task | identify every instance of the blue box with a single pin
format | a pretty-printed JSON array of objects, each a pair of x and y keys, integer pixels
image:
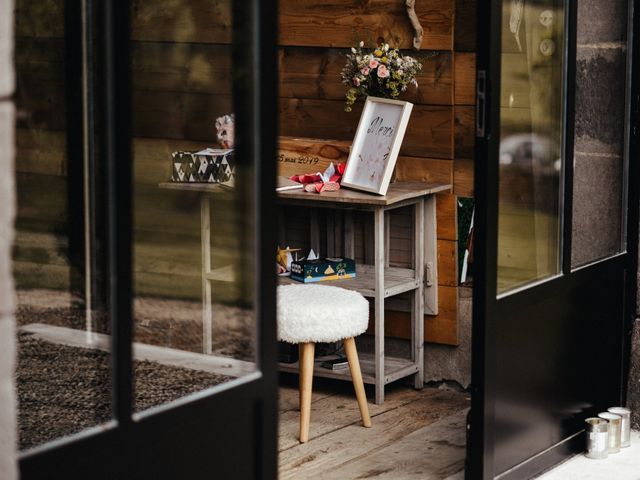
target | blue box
[{"x": 323, "y": 269}]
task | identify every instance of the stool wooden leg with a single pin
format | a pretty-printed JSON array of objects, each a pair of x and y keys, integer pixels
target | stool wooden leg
[
  {"x": 306, "y": 382},
  {"x": 356, "y": 376}
]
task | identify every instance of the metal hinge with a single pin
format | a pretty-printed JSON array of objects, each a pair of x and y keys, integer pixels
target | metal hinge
[
  {"x": 481, "y": 103},
  {"x": 428, "y": 274}
]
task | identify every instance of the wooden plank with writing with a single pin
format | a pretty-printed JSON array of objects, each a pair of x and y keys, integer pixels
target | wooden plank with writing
[
  {"x": 429, "y": 133},
  {"x": 309, "y": 155}
]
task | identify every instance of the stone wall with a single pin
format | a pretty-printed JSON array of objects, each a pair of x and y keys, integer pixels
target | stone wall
[
  {"x": 633, "y": 392},
  {"x": 599, "y": 145},
  {"x": 8, "y": 468},
  {"x": 599, "y": 129}
]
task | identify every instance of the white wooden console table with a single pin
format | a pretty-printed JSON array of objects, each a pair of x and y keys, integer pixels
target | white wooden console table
[
  {"x": 380, "y": 281},
  {"x": 208, "y": 274}
]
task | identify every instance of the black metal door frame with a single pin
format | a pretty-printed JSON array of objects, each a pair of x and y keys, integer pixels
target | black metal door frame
[
  {"x": 228, "y": 431},
  {"x": 481, "y": 446}
]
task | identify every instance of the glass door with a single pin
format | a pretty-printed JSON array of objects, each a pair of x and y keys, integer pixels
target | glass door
[
  {"x": 144, "y": 259},
  {"x": 556, "y": 230}
]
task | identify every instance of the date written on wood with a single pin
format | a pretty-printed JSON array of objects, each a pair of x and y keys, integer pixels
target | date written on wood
[{"x": 300, "y": 159}]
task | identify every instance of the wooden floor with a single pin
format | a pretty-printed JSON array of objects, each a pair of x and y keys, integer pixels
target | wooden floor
[{"x": 415, "y": 434}]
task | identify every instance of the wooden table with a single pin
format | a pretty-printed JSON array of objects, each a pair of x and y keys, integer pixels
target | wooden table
[{"x": 379, "y": 281}]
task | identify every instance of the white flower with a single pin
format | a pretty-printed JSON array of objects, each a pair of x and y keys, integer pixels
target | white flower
[
  {"x": 353, "y": 50},
  {"x": 386, "y": 47},
  {"x": 361, "y": 43}
]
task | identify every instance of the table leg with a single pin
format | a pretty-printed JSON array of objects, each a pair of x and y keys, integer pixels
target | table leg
[
  {"x": 417, "y": 314},
  {"x": 430, "y": 257},
  {"x": 379, "y": 263},
  {"x": 205, "y": 239},
  {"x": 387, "y": 238}
]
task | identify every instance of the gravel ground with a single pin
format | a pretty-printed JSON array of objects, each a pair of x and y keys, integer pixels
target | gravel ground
[
  {"x": 166, "y": 323},
  {"x": 63, "y": 390}
]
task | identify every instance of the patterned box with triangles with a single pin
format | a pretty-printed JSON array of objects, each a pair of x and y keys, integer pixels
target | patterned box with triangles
[{"x": 206, "y": 166}]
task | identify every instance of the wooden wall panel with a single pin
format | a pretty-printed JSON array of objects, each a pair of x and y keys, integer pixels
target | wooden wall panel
[
  {"x": 342, "y": 23},
  {"x": 182, "y": 21},
  {"x": 448, "y": 263},
  {"x": 465, "y": 78},
  {"x": 442, "y": 328},
  {"x": 30, "y": 20},
  {"x": 182, "y": 67},
  {"x": 314, "y": 73},
  {"x": 41, "y": 152},
  {"x": 182, "y": 82},
  {"x": 446, "y": 216},
  {"x": 463, "y": 177},
  {"x": 424, "y": 169},
  {"x": 464, "y": 131},
  {"x": 429, "y": 133},
  {"x": 465, "y": 26}
]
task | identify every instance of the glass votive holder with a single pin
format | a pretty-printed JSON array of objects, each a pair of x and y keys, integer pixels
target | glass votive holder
[
  {"x": 597, "y": 438},
  {"x": 615, "y": 430},
  {"x": 625, "y": 414}
]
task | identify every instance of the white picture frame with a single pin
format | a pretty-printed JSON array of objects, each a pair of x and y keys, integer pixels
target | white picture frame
[{"x": 376, "y": 145}]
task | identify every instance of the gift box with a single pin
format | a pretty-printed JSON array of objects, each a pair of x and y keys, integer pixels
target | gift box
[
  {"x": 206, "y": 166},
  {"x": 322, "y": 269}
]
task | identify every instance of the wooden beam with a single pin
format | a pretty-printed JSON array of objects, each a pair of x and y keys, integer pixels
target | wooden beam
[
  {"x": 341, "y": 23},
  {"x": 465, "y": 78},
  {"x": 463, "y": 177}
]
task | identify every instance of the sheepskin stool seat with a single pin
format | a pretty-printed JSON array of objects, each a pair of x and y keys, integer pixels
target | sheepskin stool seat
[{"x": 317, "y": 313}]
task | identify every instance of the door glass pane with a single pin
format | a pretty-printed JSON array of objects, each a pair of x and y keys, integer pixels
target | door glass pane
[
  {"x": 194, "y": 324},
  {"x": 63, "y": 373},
  {"x": 531, "y": 140},
  {"x": 599, "y": 179}
]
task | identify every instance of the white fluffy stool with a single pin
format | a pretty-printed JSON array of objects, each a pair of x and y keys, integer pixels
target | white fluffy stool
[{"x": 317, "y": 313}]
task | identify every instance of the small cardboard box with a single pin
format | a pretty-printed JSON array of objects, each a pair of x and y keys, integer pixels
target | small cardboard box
[
  {"x": 323, "y": 269},
  {"x": 206, "y": 166}
]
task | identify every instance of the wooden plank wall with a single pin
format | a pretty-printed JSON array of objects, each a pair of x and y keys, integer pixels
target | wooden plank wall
[
  {"x": 438, "y": 145},
  {"x": 182, "y": 83}
]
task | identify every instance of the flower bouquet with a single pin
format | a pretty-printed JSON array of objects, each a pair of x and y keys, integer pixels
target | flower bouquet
[{"x": 378, "y": 72}]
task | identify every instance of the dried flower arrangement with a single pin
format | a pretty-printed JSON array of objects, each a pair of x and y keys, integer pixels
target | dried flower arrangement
[{"x": 377, "y": 72}]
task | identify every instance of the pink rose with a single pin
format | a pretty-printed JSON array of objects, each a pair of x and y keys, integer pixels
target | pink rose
[
  {"x": 365, "y": 71},
  {"x": 373, "y": 63},
  {"x": 383, "y": 72},
  {"x": 356, "y": 81}
]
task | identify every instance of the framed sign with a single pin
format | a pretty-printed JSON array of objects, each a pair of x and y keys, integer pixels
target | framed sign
[{"x": 376, "y": 145}]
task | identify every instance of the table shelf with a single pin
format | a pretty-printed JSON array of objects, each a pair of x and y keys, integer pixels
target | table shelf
[
  {"x": 394, "y": 369},
  {"x": 396, "y": 281}
]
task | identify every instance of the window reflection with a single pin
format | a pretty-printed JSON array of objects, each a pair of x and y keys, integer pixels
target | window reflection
[{"x": 531, "y": 142}]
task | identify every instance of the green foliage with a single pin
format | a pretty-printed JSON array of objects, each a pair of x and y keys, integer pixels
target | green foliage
[{"x": 465, "y": 212}]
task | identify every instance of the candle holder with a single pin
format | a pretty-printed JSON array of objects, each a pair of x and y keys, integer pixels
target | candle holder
[
  {"x": 615, "y": 430},
  {"x": 625, "y": 414},
  {"x": 597, "y": 438}
]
